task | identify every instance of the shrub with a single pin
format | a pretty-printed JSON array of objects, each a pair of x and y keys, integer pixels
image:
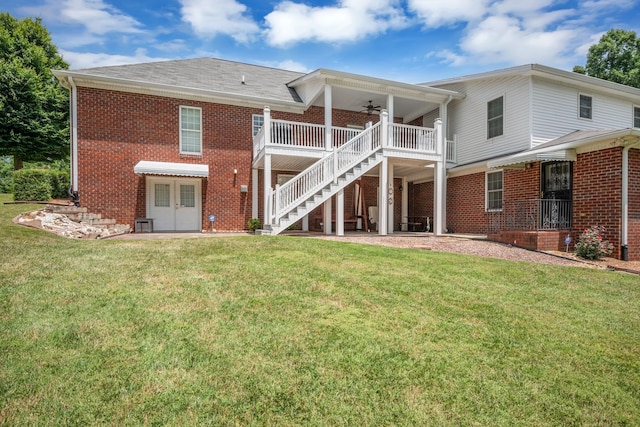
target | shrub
[
  {"x": 253, "y": 224},
  {"x": 591, "y": 245},
  {"x": 32, "y": 184},
  {"x": 59, "y": 183},
  {"x": 6, "y": 176}
]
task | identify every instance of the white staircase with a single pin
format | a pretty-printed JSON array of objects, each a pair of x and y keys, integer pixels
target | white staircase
[{"x": 322, "y": 180}]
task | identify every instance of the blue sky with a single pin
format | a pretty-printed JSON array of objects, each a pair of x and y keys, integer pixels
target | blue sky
[{"x": 405, "y": 40}]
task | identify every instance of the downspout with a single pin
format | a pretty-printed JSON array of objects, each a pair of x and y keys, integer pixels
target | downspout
[
  {"x": 73, "y": 190},
  {"x": 624, "y": 244}
]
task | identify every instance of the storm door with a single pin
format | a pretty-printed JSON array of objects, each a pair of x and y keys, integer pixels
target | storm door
[{"x": 556, "y": 192}]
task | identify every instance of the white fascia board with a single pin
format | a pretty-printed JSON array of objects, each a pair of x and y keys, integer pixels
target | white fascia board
[{"x": 339, "y": 78}]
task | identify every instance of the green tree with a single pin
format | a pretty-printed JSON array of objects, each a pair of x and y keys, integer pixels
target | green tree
[
  {"x": 616, "y": 58},
  {"x": 34, "y": 108}
]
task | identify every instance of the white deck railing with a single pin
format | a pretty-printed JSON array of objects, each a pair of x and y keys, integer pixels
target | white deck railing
[
  {"x": 296, "y": 134},
  {"x": 414, "y": 138},
  {"x": 452, "y": 147},
  {"x": 288, "y": 196}
]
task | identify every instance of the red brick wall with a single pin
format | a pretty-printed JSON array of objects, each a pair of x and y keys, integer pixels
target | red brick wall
[
  {"x": 634, "y": 205},
  {"x": 421, "y": 199},
  {"x": 118, "y": 129},
  {"x": 597, "y": 193},
  {"x": 465, "y": 204}
]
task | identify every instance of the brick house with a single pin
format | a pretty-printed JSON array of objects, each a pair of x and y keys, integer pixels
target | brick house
[{"x": 525, "y": 155}]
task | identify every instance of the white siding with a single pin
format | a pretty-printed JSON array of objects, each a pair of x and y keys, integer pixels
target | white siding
[
  {"x": 468, "y": 118},
  {"x": 555, "y": 111}
]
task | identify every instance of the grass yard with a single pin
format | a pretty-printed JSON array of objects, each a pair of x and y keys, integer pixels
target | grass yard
[{"x": 295, "y": 331}]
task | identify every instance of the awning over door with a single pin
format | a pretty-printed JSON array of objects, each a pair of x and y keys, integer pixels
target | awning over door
[
  {"x": 532, "y": 156},
  {"x": 145, "y": 167}
]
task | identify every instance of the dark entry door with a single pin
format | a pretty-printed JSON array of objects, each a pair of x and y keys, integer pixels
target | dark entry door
[{"x": 556, "y": 191}]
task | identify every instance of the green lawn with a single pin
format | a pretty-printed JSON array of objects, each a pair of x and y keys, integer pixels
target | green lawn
[{"x": 295, "y": 331}]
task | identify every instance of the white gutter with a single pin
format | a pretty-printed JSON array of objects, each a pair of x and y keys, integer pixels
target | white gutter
[
  {"x": 625, "y": 194},
  {"x": 74, "y": 135}
]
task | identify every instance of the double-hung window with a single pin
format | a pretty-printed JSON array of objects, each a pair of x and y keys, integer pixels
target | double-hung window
[
  {"x": 495, "y": 117},
  {"x": 257, "y": 123},
  {"x": 586, "y": 107},
  {"x": 636, "y": 117},
  {"x": 494, "y": 191},
  {"x": 190, "y": 130}
]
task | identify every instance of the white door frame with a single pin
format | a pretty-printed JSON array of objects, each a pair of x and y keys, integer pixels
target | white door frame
[{"x": 194, "y": 223}]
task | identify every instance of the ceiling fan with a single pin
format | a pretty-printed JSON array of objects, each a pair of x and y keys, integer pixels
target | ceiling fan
[{"x": 370, "y": 108}]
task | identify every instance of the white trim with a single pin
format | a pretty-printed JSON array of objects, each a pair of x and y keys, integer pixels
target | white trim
[
  {"x": 580, "y": 95},
  {"x": 504, "y": 111},
  {"x": 486, "y": 191},
  {"x": 181, "y": 108},
  {"x": 144, "y": 167}
]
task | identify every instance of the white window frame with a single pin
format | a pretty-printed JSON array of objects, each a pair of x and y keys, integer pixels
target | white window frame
[
  {"x": 501, "y": 117},
  {"x": 585, "y": 95},
  {"x": 199, "y": 109},
  {"x": 255, "y": 128},
  {"x": 636, "y": 116},
  {"x": 487, "y": 191}
]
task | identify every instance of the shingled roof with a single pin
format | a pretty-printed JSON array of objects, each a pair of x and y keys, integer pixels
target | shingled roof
[{"x": 208, "y": 74}]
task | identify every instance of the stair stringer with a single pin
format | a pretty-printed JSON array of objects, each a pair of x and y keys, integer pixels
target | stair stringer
[{"x": 323, "y": 194}]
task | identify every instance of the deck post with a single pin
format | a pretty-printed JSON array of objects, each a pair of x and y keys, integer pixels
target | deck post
[
  {"x": 340, "y": 213},
  {"x": 327, "y": 217},
  {"x": 405, "y": 202},
  {"x": 390, "y": 202},
  {"x": 384, "y": 129},
  {"x": 254, "y": 193},
  {"x": 383, "y": 199},
  {"x": 267, "y": 188},
  {"x": 439, "y": 182}
]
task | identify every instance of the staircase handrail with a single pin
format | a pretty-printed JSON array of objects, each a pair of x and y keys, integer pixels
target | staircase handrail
[{"x": 287, "y": 196}]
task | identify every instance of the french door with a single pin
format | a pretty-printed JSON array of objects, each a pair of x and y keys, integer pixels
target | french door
[{"x": 175, "y": 204}]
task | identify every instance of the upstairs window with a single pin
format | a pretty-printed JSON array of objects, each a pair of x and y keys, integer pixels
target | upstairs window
[
  {"x": 495, "y": 116},
  {"x": 257, "y": 123},
  {"x": 494, "y": 191},
  {"x": 636, "y": 117},
  {"x": 586, "y": 107},
  {"x": 190, "y": 130}
]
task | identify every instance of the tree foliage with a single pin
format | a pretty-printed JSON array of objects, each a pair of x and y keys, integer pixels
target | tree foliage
[
  {"x": 616, "y": 57},
  {"x": 34, "y": 108}
]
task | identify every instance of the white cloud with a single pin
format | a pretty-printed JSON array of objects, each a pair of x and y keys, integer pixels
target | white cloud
[
  {"x": 438, "y": 13},
  {"x": 97, "y": 17},
  {"x": 292, "y": 65},
  {"x": 505, "y": 39},
  {"x": 520, "y": 31},
  {"x": 349, "y": 20},
  {"x": 209, "y": 18},
  {"x": 80, "y": 60}
]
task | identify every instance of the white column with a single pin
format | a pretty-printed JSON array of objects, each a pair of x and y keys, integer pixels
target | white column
[
  {"x": 383, "y": 200},
  {"x": 267, "y": 190},
  {"x": 439, "y": 183},
  {"x": 328, "y": 131},
  {"x": 305, "y": 223},
  {"x": 254, "y": 193},
  {"x": 327, "y": 216},
  {"x": 405, "y": 202},
  {"x": 391, "y": 201},
  {"x": 340, "y": 213},
  {"x": 267, "y": 167}
]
